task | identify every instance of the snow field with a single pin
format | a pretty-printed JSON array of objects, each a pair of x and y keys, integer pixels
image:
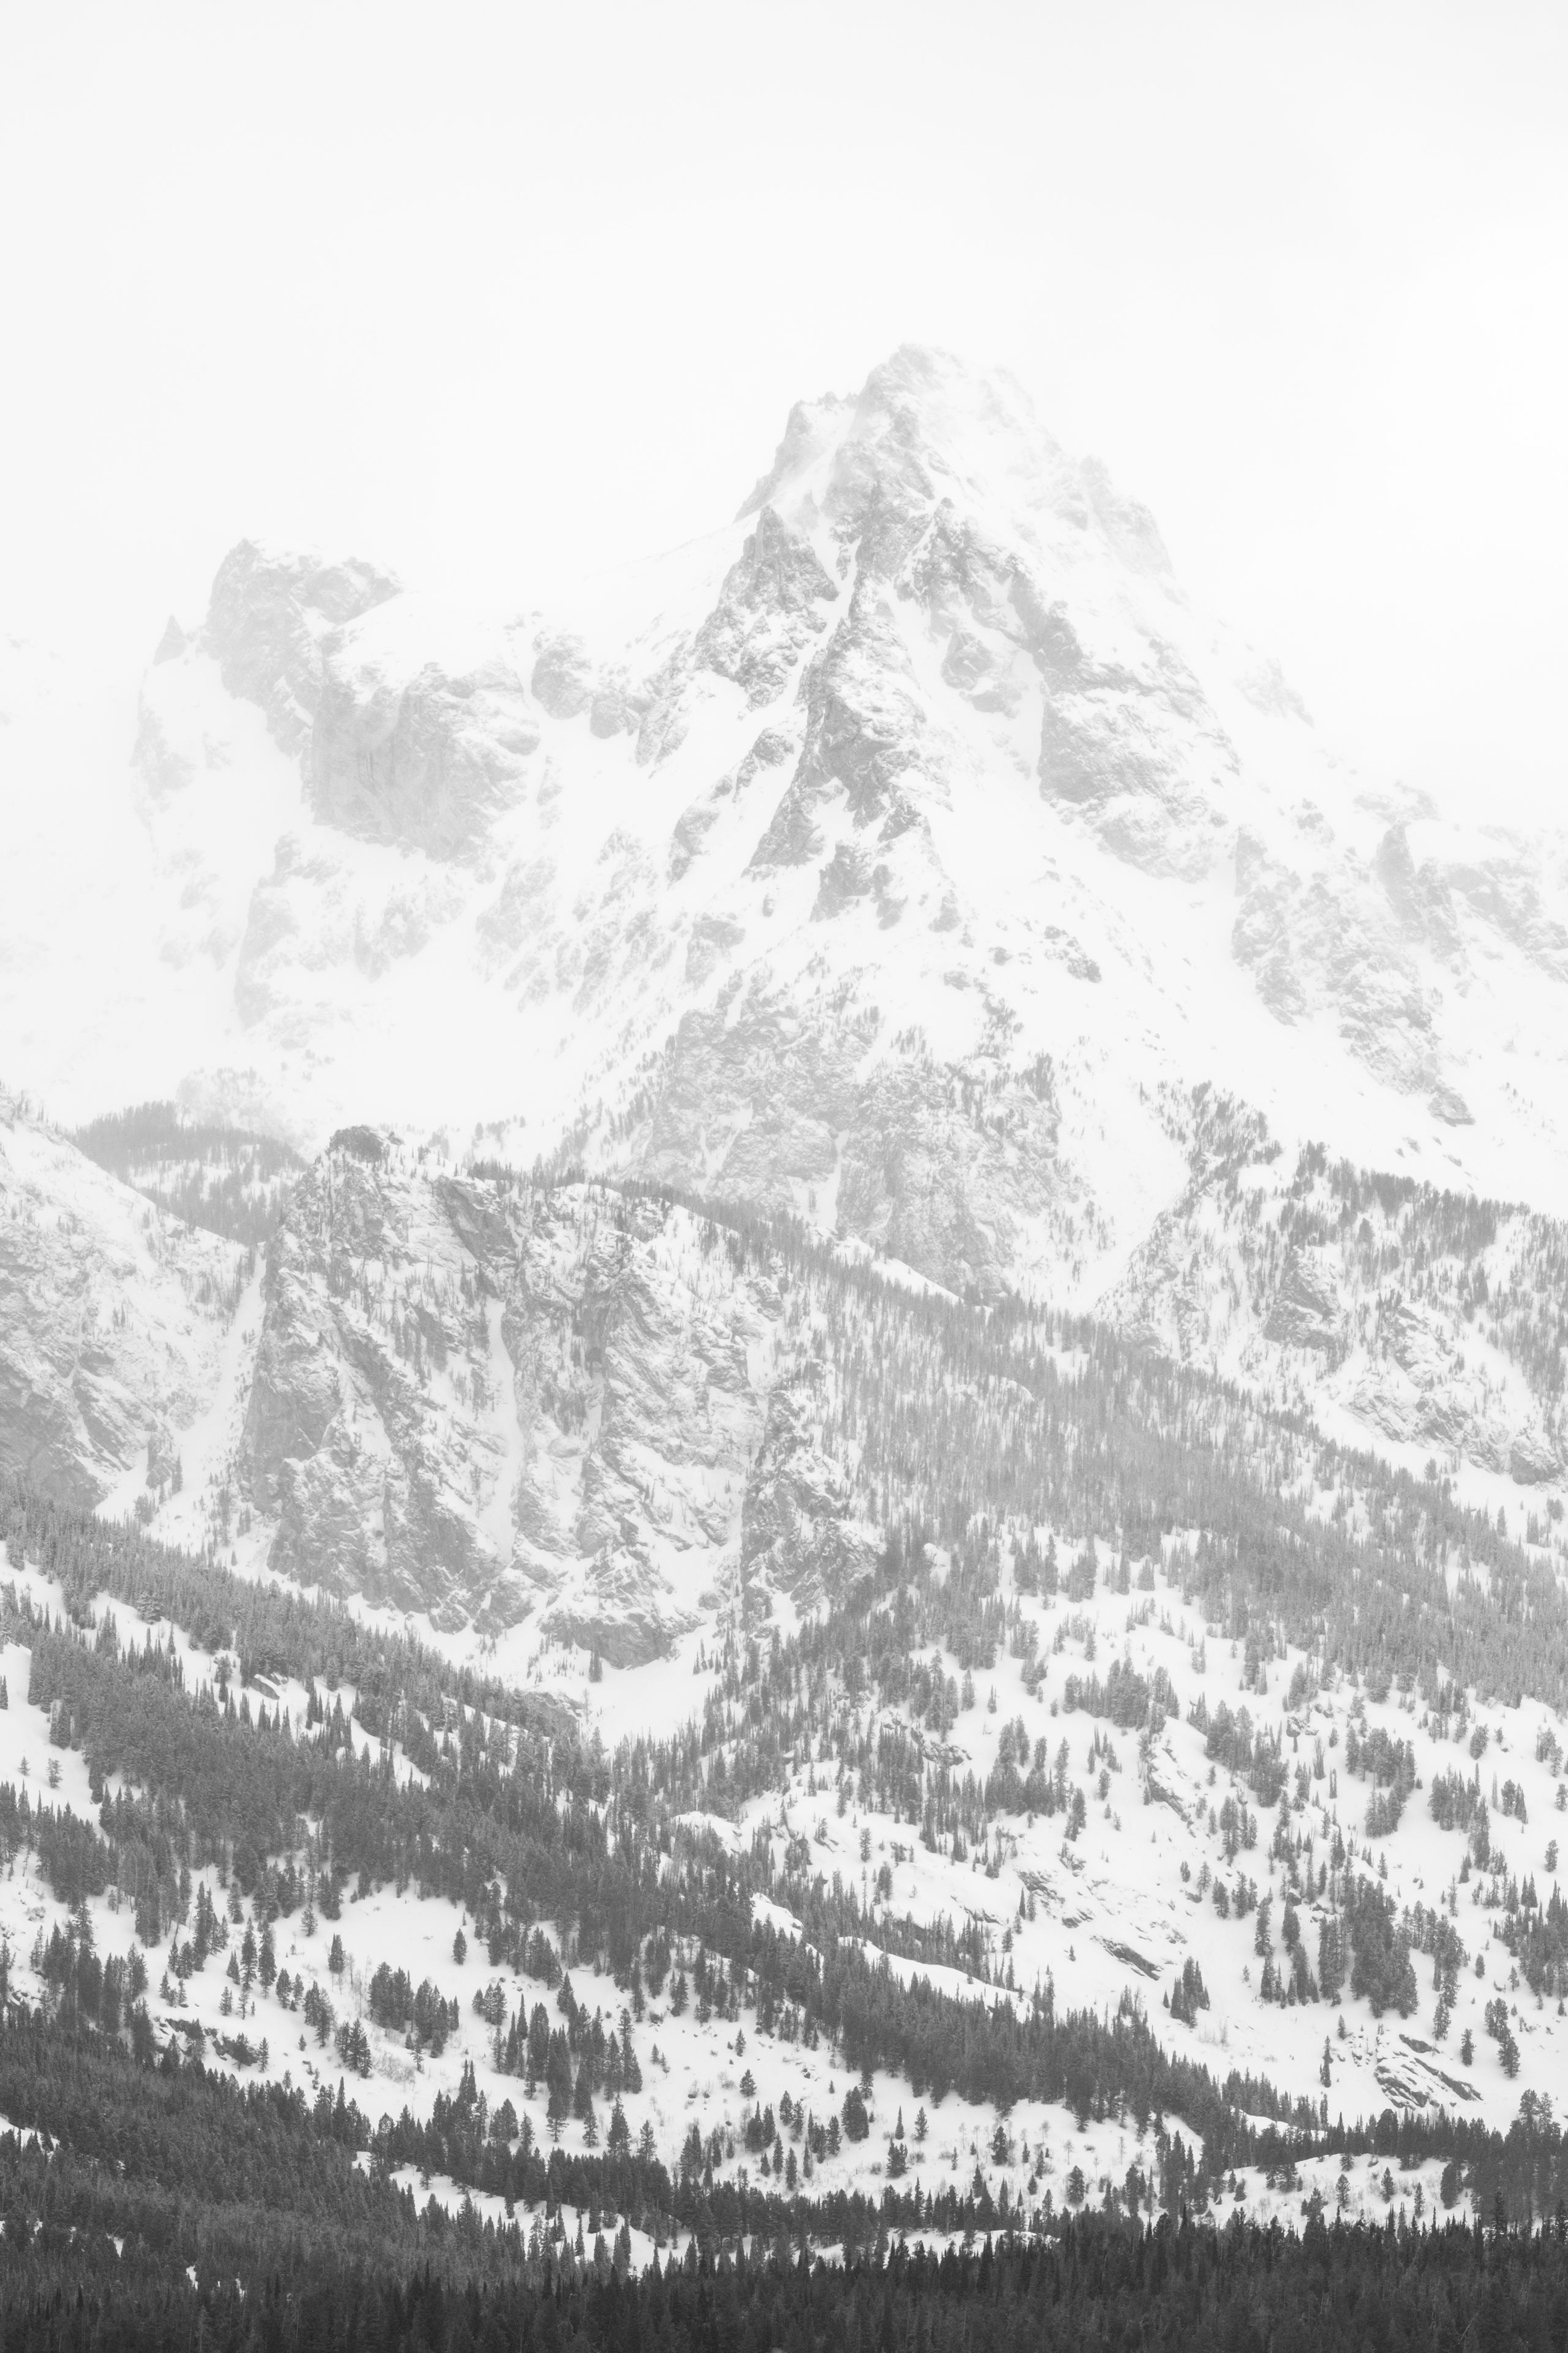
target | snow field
[{"x": 1117, "y": 1891}]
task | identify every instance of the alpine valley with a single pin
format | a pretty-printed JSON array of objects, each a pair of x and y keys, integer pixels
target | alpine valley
[{"x": 782, "y": 1446}]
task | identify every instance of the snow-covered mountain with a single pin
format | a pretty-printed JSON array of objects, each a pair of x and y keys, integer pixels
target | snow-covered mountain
[
  {"x": 872, "y": 1073},
  {"x": 884, "y": 855},
  {"x": 908, "y": 857}
]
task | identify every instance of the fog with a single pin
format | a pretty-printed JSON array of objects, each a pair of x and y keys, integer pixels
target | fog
[{"x": 497, "y": 295}]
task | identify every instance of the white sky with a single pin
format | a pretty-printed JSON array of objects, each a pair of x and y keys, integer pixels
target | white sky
[{"x": 504, "y": 292}]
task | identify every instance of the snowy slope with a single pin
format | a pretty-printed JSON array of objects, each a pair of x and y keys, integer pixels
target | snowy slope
[{"x": 1123, "y": 1902}]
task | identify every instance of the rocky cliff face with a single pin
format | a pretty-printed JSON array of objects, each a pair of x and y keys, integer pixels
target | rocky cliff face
[
  {"x": 486, "y": 1402},
  {"x": 1400, "y": 1318},
  {"x": 428, "y": 760},
  {"x": 272, "y": 618},
  {"x": 622, "y": 1422},
  {"x": 799, "y": 1533},
  {"x": 113, "y": 1318},
  {"x": 612, "y": 1421}
]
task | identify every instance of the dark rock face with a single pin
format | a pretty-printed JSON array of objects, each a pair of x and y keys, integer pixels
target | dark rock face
[
  {"x": 370, "y": 1301},
  {"x": 770, "y": 609},
  {"x": 268, "y": 619},
  {"x": 481, "y": 1404},
  {"x": 773, "y": 748},
  {"x": 1420, "y": 899},
  {"x": 771, "y": 1097},
  {"x": 846, "y": 877},
  {"x": 797, "y": 1535},
  {"x": 426, "y": 758},
  {"x": 561, "y": 681},
  {"x": 1351, "y": 1296},
  {"x": 1316, "y": 943},
  {"x": 429, "y": 762},
  {"x": 758, "y": 1087},
  {"x": 767, "y": 615},
  {"x": 947, "y": 1185},
  {"x": 1305, "y": 1312},
  {"x": 864, "y": 725},
  {"x": 1137, "y": 752}
]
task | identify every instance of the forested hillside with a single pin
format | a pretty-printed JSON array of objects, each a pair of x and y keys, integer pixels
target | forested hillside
[
  {"x": 223, "y": 1179},
  {"x": 226, "y": 1793}
]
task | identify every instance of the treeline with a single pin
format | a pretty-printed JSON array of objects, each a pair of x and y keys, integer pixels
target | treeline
[
  {"x": 1090, "y": 2283},
  {"x": 175, "y": 2158},
  {"x": 227, "y": 1180},
  {"x": 271, "y": 1631}
]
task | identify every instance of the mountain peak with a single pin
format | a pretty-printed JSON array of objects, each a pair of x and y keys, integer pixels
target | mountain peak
[
  {"x": 927, "y": 428},
  {"x": 927, "y": 398},
  {"x": 950, "y": 397},
  {"x": 810, "y": 429}
]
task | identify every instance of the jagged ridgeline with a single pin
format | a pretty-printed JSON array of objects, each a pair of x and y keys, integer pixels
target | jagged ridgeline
[
  {"x": 623, "y": 1326},
  {"x": 226, "y": 1180},
  {"x": 470, "y": 2284},
  {"x": 973, "y": 1426},
  {"x": 888, "y": 1407}
]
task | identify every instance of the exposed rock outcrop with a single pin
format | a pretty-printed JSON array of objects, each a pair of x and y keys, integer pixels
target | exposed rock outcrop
[
  {"x": 270, "y": 616},
  {"x": 1421, "y": 1319},
  {"x": 113, "y": 1317},
  {"x": 481, "y": 1403},
  {"x": 798, "y": 1533},
  {"x": 429, "y": 761}
]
